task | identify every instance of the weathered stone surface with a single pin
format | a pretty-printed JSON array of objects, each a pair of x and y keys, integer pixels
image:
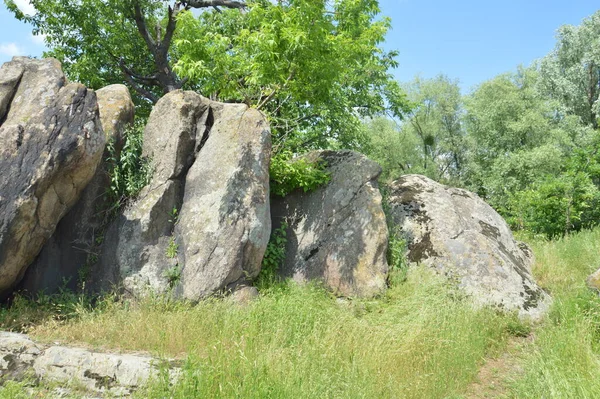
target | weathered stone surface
[
  {"x": 593, "y": 281},
  {"x": 117, "y": 374},
  {"x": 456, "y": 233},
  {"x": 17, "y": 354},
  {"x": 73, "y": 247},
  {"x": 117, "y": 112},
  {"x": 338, "y": 233},
  {"x": 51, "y": 143},
  {"x": 244, "y": 295},
  {"x": 225, "y": 223},
  {"x": 202, "y": 224},
  {"x": 134, "y": 252}
]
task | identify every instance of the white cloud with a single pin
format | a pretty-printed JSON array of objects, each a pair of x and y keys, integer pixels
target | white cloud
[
  {"x": 11, "y": 49},
  {"x": 26, "y": 7},
  {"x": 38, "y": 39}
]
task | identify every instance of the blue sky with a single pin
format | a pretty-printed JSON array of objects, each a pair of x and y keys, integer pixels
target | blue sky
[{"x": 468, "y": 40}]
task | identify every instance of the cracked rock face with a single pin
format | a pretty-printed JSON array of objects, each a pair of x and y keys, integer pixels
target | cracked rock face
[
  {"x": 202, "y": 224},
  {"x": 70, "y": 248},
  {"x": 337, "y": 234},
  {"x": 460, "y": 236},
  {"x": 51, "y": 143}
]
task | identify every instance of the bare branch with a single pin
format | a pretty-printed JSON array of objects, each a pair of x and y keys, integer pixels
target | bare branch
[
  {"x": 150, "y": 80},
  {"x": 171, "y": 25},
  {"x": 140, "y": 22},
  {"x": 141, "y": 91}
]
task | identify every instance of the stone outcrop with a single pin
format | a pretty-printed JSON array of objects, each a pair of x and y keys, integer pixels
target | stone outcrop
[
  {"x": 51, "y": 143},
  {"x": 117, "y": 112},
  {"x": 337, "y": 234},
  {"x": 593, "y": 281},
  {"x": 202, "y": 224},
  {"x": 115, "y": 374},
  {"x": 456, "y": 233},
  {"x": 73, "y": 247}
]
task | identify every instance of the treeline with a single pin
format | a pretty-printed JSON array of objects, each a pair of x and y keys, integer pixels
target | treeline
[{"x": 526, "y": 141}]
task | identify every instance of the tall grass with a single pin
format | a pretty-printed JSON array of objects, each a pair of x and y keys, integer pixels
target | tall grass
[
  {"x": 565, "y": 360},
  {"x": 422, "y": 340}
]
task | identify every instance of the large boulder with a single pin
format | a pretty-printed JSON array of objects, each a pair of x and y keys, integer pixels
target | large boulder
[
  {"x": 337, "y": 234},
  {"x": 225, "y": 222},
  {"x": 73, "y": 248},
  {"x": 456, "y": 233},
  {"x": 202, "y": 224},
  {"x": 51, "y": 143}
]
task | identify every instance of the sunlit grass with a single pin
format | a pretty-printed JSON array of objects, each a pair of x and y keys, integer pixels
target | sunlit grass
[
  {"x": 565, "y": 361},
  {"x": 422, "y": 340}
]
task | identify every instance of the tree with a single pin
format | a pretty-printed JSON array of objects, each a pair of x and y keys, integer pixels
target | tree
[
  {"x": 436, "y": 122},
  {"x": 397, "y": 150},
  {"x": 107, "y": 41},
  {"x": 571, "y": 73},
  {"x": 314, "y": 66}
]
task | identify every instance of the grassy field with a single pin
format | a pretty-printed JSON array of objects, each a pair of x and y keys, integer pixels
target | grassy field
[{"x": 422, "y": 340}]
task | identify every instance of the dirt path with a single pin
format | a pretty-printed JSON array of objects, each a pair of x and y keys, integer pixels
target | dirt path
[{"x": 496, "y": 373}]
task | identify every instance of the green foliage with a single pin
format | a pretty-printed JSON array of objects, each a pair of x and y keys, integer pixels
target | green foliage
[
  {"x": 419, "y": 341},
  {"x": 313, "y": 66},
  {"x": 396, "y": 257},
  {"x": 93, "y": 38},
  {"x": 15, "y": 390},
  {"x": 172, "y": 249},
  {"x": 564, "y": 361},
  {"x": 128, "y": 170},
  {"x": 288, "y": 174},
  {"x": 173, "y": 275},
  {"x": 571, "y": 73},
  {"x": 273, "y": 258},
  {"x": 23, "y": 313}
]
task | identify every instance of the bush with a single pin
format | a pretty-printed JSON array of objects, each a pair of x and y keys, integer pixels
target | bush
[
  {"x": 128, "y": 170},
  {"x": 289, "y": 174}
]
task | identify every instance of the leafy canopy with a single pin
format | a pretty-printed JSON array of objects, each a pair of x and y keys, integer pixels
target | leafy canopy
[{"x": 315, "y": 67}]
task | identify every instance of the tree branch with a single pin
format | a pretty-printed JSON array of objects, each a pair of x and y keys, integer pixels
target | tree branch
[
  {"x": 150, "y": 80},
  {"x": 140, "y": 22},
  {"x": 141, "y": 91},
  {"x": 214, "y": 3},
  {"x": 171, "y": 25}
]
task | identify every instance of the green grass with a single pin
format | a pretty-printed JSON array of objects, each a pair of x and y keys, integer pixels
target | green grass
[
  {"x": 421, "y": 340},
  {"x": 565, "y": 360}
]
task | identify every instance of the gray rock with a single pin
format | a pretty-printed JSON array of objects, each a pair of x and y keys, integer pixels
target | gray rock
[
  {"x": 460, "y": 236},
  {"x": 51, "y": 143},
  {"x": 17, "y": 354},
  {"x": 244, "y": 295},
  {"x": 134, "y": 252},
  {"x": 225, "y": 223},
  {"x": 116, "y": 374},
  {"x": 338, "y": 233},
  {"x": 202, "y": 224},
  {"x": 73, "y": 248},
  {"x": 593, "y": 281},
  {"x": 117, "y": 112}
]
